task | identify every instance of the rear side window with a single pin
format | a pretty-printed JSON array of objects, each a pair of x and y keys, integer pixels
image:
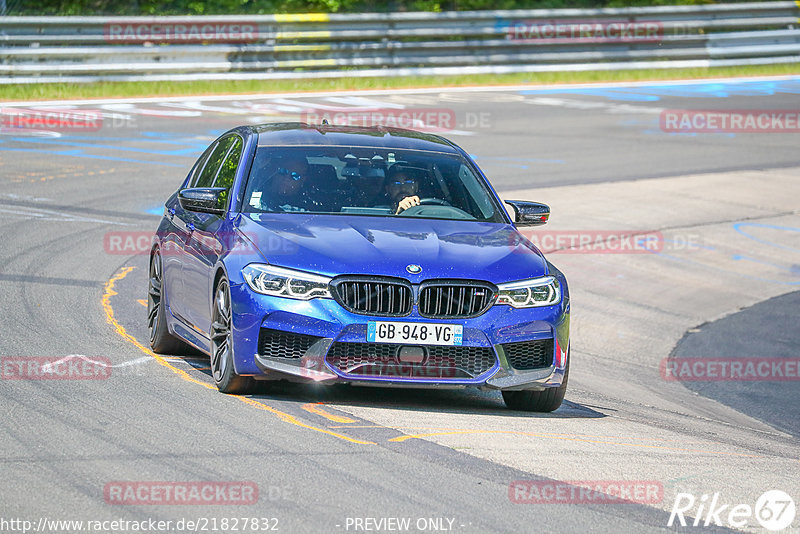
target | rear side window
[
  {"x": 198, "y": 167},
  {"x": 227, "y": 172},
  {"x": 213, "y": 163}
]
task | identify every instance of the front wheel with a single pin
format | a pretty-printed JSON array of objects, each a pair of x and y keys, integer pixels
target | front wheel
[
  {"x": 548, "y": 400},
  {"x": 222, "y": 370},
  {"x": 161, "y": 341}
]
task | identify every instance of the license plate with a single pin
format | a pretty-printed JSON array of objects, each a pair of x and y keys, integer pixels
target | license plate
[{"x": 422, "y": 333}]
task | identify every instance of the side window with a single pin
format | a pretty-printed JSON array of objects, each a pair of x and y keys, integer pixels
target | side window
[
  {"x": 227, "y": 172},
  {"x": 476, "y": 195},
  {"x": 198, "y": 167},
  {"x": 213, "y": 163}
]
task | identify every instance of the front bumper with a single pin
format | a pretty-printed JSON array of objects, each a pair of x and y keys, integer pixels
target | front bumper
[{"x": 330, "y": 324}]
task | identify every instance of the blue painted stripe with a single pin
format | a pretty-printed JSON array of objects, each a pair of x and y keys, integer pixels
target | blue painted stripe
[
  {"x": 656, "y": 91},
  {"x": 81, "y": 154},
  {"x": 738, "y": 227},
  {"x": 67, "y": 142}
]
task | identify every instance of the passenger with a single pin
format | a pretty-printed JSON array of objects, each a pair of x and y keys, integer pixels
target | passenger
[{"x": 288, "y": 187}]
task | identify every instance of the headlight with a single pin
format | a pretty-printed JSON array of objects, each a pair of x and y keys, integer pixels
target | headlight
[
  {"x": 532, "y": 293},
  {"x": 280, "y": 282}
]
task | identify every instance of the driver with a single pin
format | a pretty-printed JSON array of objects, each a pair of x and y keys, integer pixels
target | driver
[{"x": 402, "y": 187}]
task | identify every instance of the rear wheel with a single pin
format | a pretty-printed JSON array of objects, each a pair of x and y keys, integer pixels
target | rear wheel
[
  {"x": 538, "y": 401},
  {"x": 222, "y": 370},
  {"x": 161, "y": 341}
]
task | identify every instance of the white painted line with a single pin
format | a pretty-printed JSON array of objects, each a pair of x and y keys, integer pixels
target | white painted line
[
  {"x": 361, "y": 102},
  {"x": 50, "y": 215},
  {"x": 154, "y": 112},
  {"x": 14, "y": 196},
  {"x": 48, "y": 366},
  {"x": 26, "y": 132},
  {"x": 137, "y": 361},
  {"x": 379, "y": 92},
  {"x": 587, "y": 104}
]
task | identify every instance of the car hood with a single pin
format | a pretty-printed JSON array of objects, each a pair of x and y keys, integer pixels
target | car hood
[{"x": 337, "y": 244}]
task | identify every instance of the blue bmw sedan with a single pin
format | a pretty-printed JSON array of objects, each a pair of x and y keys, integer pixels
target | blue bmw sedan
[{"x": 368, "y": 256}]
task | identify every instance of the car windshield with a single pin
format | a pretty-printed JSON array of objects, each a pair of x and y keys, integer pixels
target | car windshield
[{"x": 367, "y": 181}]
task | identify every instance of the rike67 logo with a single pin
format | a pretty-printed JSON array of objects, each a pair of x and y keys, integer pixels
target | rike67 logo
[{"x": 774, "y": 510}]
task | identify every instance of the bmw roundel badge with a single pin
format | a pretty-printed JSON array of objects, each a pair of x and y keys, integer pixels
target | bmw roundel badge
[{"x": 413, "y": 268}]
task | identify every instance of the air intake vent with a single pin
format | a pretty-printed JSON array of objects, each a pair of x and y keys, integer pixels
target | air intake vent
[
  {"x": 381, "y": 360},
  {"x": 529, "y": 354},
  {"x": 280, "y": 344}
]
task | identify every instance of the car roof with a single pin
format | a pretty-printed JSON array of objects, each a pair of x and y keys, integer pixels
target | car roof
[{"x": 302, "y": 134}]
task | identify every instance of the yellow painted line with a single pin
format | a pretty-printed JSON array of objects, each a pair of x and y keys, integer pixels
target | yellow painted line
[
  {"x": 143, "y": 302},
  {"x": 661, "y": 447},
  {"x": 302, "y": 17},
  {"x": 307, "y": 63},
  {"x": 290, "y": 419},
  {"x": 110, "y": 319},
  {"x": 545, "y": 434},
  {"x": 316, "y": 409},
  {"x": 304, "y": 48},
  {"x": 321, "y": 34}
]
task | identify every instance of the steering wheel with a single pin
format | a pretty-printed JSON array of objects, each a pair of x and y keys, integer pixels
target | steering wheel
[
  {"x": 432, "y": 202},
  {"x": 414, "y": 210}
]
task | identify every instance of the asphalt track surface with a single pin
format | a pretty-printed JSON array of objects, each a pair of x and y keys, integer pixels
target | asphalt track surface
[
  {"x": 744, "y": 333},
  {"x": 325, "y": 459}
]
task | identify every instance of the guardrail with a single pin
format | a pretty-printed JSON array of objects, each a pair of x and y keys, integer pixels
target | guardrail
[{"x": 62, "y": 49}]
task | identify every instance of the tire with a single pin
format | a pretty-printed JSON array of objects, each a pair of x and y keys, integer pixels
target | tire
[
  {"x": 222, "y": 370},
  {"x": 548, "y": 400},
  {"x": 161, "y": 341}
]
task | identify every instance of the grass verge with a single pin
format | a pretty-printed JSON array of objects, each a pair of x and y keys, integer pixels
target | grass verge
[{"x": 68, "y": 91}]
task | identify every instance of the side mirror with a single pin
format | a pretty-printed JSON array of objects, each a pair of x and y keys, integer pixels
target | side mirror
[
  {"x": 529, "y": 213},
  {"x": 203, "y": 199}
]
